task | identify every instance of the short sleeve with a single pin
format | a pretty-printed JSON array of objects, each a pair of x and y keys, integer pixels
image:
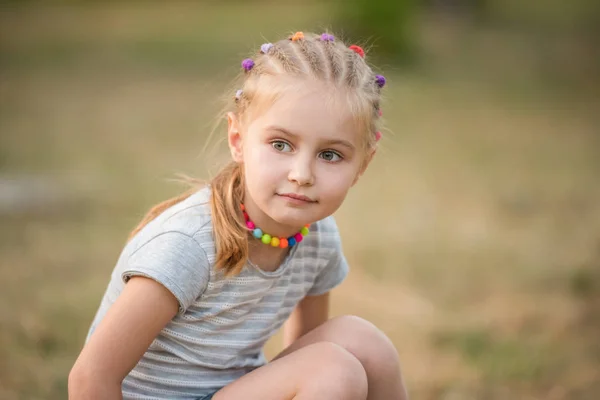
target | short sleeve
[
  {"x": 176, "y": 261},
  {"x": 335, "y": 270}
]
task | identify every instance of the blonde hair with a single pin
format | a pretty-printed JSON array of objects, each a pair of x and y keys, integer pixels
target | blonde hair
[{"x": 305, "y": 56}]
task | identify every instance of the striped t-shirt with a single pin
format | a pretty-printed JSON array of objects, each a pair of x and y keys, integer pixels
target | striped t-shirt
[{"x": 223, "y": 323}]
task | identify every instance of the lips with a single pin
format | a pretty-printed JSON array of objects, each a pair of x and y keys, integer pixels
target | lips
[{"x": 297, "y": 197}]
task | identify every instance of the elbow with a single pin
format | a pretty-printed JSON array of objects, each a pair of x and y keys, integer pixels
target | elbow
[
  {"x": 80, "y": 382},
  {"x": 84, "y": 383}
]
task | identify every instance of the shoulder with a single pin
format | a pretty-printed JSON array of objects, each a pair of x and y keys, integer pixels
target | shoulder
[
  {"x": 324, "y": 234},
  {"x": 189, "y": 218}
]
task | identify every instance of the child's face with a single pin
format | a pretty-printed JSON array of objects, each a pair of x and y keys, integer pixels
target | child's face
[{"x": 304, "y": 146}]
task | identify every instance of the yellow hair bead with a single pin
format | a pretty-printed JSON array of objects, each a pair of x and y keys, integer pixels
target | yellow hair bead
[{"x": 275, "y": 242}]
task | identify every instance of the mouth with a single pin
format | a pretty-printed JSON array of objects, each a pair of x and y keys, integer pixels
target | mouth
[{"x": 297, "y": 197}]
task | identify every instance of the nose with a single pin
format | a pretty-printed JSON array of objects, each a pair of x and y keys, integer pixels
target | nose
[{"x": 301, "y": 171}]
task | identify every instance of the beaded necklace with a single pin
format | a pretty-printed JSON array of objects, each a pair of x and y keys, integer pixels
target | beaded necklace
[{"x": 274, "y": 240}]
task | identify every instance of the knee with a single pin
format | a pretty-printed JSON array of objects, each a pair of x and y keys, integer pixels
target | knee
[
  {"x": 368, "y": 343},
  {"x": 338, "y": 373}
]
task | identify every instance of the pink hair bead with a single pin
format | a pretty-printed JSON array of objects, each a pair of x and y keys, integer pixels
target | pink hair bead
[
  {"x": 377, "y": 136},
  {"x": 298, "y": 236},
  {"x": 250, "y": 225}
]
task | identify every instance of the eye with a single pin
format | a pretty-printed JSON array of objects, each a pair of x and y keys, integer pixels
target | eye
[
  {"x": 282, "y": 146},
  {"x": 331, "y": 156}
]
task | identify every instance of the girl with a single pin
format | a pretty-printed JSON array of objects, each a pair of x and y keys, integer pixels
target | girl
[{"x": 209, "y": 276}]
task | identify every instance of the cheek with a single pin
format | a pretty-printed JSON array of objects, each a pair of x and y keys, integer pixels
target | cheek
[
  {"x": 337, "y": 181},
  {"x": 261, "y": 166}
]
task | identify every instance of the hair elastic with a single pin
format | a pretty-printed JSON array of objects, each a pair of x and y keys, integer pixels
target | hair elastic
[
  {"x": 248, "y": 64},
  {"x": 297, "y": 36},
  {"x": 327, "y": 37},
  {"x": 377, "y": 136},
  {"x": 238, "y": 94},
  {"x": 264, "y": 48},
  {"x": 358, "y": 50}
]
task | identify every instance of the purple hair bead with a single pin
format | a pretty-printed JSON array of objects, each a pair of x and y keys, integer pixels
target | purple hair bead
[
  {"x": 264, "y": 48},
  {"x": 248, "y": 64},
  {"x": 326, "y": 37},
  {"x": 380, "y": 80}
]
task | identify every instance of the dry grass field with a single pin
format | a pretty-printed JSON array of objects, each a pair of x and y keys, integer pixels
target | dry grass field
[{"x": 474, "y": 238}]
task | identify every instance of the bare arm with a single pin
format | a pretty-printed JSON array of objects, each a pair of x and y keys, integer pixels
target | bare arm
[
  {"x": 311, "y": 312},
  {"x": 125, "y": 333}
]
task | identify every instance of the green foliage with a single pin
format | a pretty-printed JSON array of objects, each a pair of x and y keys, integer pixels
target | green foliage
[{"x": 386, "y": 25}]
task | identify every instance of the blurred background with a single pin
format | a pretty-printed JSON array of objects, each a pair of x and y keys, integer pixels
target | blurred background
[{"x": 474, "y": 237}]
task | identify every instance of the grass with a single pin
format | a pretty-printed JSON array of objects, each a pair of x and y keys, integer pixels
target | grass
[{"x": 481, "y": 251}]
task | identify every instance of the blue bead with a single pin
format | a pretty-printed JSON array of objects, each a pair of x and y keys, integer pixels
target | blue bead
[
  {"x": 257, "y": 233},
  {"x": 291, "y": 241}
]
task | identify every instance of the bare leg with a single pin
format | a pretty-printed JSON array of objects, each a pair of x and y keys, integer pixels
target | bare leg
[
  {"x": 317, "y": 371},
  {"x": 369, "y": 345}
]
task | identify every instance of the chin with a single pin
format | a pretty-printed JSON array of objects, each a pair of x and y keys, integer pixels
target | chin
[{"x": 290, "y": 216}]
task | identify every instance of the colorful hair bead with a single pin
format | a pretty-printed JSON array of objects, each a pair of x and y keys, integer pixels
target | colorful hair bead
[
  {"x": 238, "y": 94},
  {"x": 377, "y": 136},
  {"x": 327, "y": 37},
  {"x": 297, "y": 36},
  {"x": 380, "y": 80},
  {"x": 265, "y": 47},
  {"x": 380, "y": 113},
  {"x": 248, "y": 64},
  {"x": 358, "y": 50}
]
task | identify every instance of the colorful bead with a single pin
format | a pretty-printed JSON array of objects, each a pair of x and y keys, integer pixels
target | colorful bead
[
  {"x": 377, "y": 136},
  {"x": 358, "y": 50},
  {"x": 380, "y": 80},
  {"x": 273, "y": 240},
  {"x": 266, "y": 238}
]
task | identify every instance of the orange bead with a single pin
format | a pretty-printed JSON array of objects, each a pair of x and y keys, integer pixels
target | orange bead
[
  {"x": 243, "y": 207},
  {"x": 283, "y": 243}
]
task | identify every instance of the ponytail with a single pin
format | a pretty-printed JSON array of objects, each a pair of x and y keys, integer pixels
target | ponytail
[{"x": 231, "y": 235}]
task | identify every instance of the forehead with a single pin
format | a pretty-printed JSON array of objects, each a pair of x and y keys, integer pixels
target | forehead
[{"x": 313, "y": 108}]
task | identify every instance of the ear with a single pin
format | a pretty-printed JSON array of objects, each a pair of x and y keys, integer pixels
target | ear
[
  {"x": 366, "y": 163},
  {"x": 234, "y": 138}
]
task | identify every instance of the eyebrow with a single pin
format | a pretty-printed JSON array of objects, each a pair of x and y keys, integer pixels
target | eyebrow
[{"x": 341, "y": 142}]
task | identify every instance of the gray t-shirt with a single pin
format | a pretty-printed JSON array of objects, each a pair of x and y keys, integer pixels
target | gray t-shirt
[{"x": 223, "y": 323}]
